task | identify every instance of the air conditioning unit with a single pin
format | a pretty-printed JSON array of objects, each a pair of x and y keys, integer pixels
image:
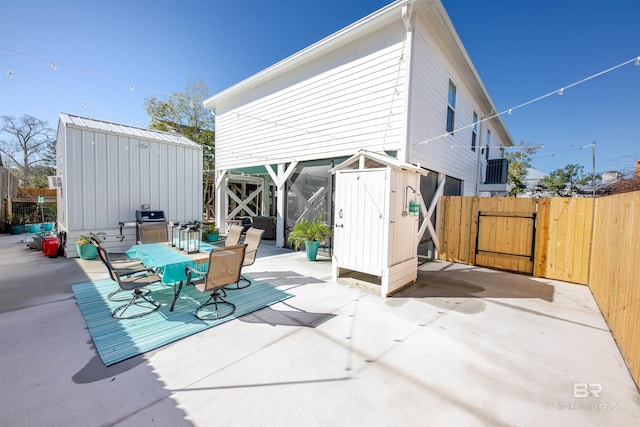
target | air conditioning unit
[{"x": 54, "y": 182}]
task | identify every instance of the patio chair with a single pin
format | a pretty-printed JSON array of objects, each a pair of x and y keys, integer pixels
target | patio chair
[
  {"x": 153, "y": 232},
  {"x": 135, "y": 284},
  {"x": 252, "y": 239},
  {"x": 224, "y": 268},
  {"x": 119, "y": 269},
  {"x": 233, "y": 236}
]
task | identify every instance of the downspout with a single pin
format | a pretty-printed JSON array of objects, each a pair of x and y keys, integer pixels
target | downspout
[
  {"x": 479, "y": 148},
  {"x": 407, "y": 13}
]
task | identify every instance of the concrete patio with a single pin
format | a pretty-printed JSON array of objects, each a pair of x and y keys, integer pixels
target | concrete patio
[{"x": 462, "y": 346}]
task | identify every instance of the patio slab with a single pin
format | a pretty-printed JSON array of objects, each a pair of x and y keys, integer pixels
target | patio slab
[{"x": 462, "y": 346}]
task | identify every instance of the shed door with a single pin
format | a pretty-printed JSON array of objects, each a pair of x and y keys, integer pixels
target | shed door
[{"x": 360, "y": 232}]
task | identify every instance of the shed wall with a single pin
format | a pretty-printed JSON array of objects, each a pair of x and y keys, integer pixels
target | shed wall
[
  {"x": 355, "y": 100},
  {"x": 107, "y": 177}
]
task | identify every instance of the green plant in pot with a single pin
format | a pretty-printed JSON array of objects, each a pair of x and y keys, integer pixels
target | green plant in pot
[
  {"x": 211, "y": 232},
  {"x": 86, "y": 249},
  {"x": 16, "y": 223},
  {"x": 310, "y": 233}
]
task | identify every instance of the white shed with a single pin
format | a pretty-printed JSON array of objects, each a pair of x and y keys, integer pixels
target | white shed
[
  {"x": 109, "y": 170},
  {"x": 377, "y": 203}
]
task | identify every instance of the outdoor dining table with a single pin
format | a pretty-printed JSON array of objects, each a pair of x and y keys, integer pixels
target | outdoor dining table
[{"x": 171, "y": 263}]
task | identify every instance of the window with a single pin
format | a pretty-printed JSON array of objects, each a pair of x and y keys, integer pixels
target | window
[
  {"x": 451, "y": 107},
  {"x": 488, "y": 144},
  {"x": 474, "y": 132}
]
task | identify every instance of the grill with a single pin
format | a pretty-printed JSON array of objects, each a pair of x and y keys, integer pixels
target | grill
[
  {"x": 154, "y": 222},
  {"x": 150, "y": 216}
]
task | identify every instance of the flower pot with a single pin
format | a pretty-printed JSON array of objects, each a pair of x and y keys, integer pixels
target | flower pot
[
  {"x": 311, "y": 247},
  {"x": 48, "y": 226},
  {"x": 16, "y": 229},
  {"x": 213, "y": 237},
  {"x": 87, "y": 251},
  {"x": 33, "y": 228}
]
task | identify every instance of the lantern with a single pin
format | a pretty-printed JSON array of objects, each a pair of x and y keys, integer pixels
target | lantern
[
  {"x": 193, "y": 241},
  {"x": 172, "y": 228},
  {"x": 182, "y": 242},
  {"x": 175, "y": 235}
]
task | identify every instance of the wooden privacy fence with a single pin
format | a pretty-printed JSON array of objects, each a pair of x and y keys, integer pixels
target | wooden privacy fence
[{"x": 594, "y": 242}]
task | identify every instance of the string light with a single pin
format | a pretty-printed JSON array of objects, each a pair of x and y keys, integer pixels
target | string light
[
  {"x": 54, "y": 66},
  {"x": 531, "y": 101},
  {"x": 131, "y": 87},
  {"x": 10, "y": 74}
]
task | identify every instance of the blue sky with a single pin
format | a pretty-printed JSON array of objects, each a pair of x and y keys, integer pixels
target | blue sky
[{"x": 521, "y": 49}]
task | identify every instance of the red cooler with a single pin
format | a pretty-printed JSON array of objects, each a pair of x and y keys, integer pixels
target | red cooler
[{"x": 50, "y": 246}]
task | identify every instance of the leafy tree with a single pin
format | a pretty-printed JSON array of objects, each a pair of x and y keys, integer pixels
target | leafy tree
[
  {"x": 519, "y": 162},
  {"x": 28, "y": 143},
  {"x": 184, "y": 113},
  {"x": 564, "y": 182}
]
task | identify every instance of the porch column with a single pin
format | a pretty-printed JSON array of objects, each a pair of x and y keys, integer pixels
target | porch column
[
  {"x": 221, "y": 199},
  {"x": 280, "y": 179}
]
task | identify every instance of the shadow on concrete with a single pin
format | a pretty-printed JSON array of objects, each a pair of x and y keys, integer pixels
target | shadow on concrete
[
  {"x": 36, "y": 293},
  {"x": 285, "y": 278},
  {"x": 473, "y": 282},
  {"x": 295, "y": 317}
]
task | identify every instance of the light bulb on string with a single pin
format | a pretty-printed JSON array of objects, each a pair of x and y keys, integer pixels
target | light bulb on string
[
  {"x": 53, "y": 65},
  {"x": 84, "y": 104},
  {"x": 131, "y": 87},
  {"x": 10, "y": 74},
  {"x": 561, "y": 92},
  {"x": 637, "y": 61}
]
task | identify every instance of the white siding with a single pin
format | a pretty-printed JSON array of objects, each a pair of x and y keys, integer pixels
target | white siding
[
  {"x": 451, "y": 155},
  {"x": 107, "y": 177},
  {"x": 356, "y": 103}
]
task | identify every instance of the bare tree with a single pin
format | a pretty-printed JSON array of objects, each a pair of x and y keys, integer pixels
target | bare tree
[{"x": 27, "y": 146}]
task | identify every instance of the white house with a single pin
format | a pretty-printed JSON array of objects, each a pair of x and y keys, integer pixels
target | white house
[
  {"x": 398, "y": 82},
  {"x": 108, "y": 171}
]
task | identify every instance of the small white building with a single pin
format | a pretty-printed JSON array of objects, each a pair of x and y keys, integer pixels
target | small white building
[
  {"x": 109, "y": 170},
  {"x": 398, "y": 82}
]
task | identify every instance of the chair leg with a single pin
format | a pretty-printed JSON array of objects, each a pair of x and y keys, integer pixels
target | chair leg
[
  {"x": 112, "y": 295},
  {"x": 138, "y": 295},
  {"x": 216, "y": 296},
  {"x": 237, "y": 284}
]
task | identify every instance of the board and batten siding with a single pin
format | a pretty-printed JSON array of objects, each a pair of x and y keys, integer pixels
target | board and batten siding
[
  {"x": 357, "y": 104},
  {"x": 107, "y": 177},
  {"x": 452, "y": 155}
]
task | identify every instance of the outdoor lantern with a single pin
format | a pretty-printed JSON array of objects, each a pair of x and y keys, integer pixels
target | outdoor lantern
[
  {"x": 171, "y": 225},
  {"x": 175, "y": 235},
  {"x": 182, "y": 243},
  {"x": 193, "y": 241}
]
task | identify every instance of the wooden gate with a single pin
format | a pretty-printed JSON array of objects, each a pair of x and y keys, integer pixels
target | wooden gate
[{"x": 506, "y": 234}]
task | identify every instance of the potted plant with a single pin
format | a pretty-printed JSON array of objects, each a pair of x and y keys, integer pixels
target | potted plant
[
  {"x": 211, "y": 232},
  {"x": 15, "y": 223},
  {"x": 86, "y": 249},
  {"x": 49, "y": 220},
  {"x": 32, "y": 224},
  {"x": 310, "y": 233}
]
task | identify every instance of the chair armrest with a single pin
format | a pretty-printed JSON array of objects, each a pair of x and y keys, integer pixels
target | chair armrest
[
  {"x": 134, "y": 262},
  {"x": 130, "y": 271},
  {"x": 191, "y": 271}
]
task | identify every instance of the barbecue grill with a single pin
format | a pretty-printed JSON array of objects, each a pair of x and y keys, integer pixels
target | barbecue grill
[{"x": 150, "y": 219}]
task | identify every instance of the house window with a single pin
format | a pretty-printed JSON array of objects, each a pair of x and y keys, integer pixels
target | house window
[
  {"x": 451, "y": 107},
  {"x": 474, "y": 132},
  {"x": 488, "y": 144}
]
